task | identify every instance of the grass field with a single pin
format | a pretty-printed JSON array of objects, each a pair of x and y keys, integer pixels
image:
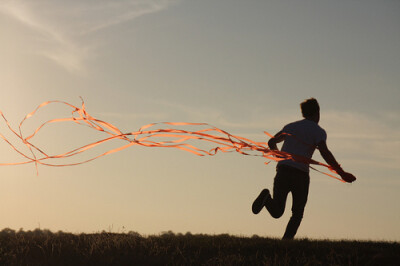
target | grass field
[{"x": 42, "y": 247}]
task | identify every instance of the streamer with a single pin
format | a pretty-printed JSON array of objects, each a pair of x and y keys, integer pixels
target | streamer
[{"x": 146, "y": 136}]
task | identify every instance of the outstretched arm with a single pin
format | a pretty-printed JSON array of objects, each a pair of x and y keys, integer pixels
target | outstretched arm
[{"x": 330, "y": 159}]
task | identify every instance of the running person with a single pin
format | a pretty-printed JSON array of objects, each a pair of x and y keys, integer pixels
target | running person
[{"x": 300, "y": 138}]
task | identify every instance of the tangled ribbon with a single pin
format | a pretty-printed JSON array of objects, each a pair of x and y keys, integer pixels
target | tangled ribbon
[{"x": 145, "y": 136}]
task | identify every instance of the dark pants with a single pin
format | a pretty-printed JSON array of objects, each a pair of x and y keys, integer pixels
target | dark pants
[{"x": 289, "y": 179}]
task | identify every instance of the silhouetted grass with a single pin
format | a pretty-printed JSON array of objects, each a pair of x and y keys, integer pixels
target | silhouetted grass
[{"x": 42, "y": 247}]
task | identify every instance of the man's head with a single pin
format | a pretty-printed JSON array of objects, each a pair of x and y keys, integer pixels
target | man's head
[{"x": 310, "y": 109}]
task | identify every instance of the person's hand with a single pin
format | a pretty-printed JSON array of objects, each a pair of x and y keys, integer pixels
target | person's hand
[{"x": 349, "y": 178}]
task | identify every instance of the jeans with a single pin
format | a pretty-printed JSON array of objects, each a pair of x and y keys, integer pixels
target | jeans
[{"x": 289, "y": 179}]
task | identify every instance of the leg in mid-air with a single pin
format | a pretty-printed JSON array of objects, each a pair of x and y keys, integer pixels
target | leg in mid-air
[{"x": 276, "y": 204}]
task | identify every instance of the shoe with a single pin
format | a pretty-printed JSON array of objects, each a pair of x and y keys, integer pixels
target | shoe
[{"x": 259, "y": 203}]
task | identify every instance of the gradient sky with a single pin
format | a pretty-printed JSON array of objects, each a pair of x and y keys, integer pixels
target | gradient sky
[{"x": 243, "y": 66}]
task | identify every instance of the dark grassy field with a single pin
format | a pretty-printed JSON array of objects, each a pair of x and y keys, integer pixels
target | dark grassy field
[{"x": 42, "y": 247}]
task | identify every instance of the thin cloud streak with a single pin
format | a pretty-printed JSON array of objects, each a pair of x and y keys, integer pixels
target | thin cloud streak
[
  {"x": 63, "y": 26},
  {"x": 151, "y": 117},
  {"x": 139, "y": 8},
  {"x": 62, "y": 50},
  {"x": 339, "y": 124}
]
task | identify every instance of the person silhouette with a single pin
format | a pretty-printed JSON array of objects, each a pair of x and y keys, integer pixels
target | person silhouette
[{"x": 300, "y": 138}]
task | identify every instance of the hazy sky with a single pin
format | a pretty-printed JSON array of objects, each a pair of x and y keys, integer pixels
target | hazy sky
[{"x": 243, "y": 66}]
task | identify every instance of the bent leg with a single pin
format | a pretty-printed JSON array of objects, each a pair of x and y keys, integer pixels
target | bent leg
[{"x": 276, "y": 204}]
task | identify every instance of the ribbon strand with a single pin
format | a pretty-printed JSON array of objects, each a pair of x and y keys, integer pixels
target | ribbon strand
[{"x": 145, "y": 136}]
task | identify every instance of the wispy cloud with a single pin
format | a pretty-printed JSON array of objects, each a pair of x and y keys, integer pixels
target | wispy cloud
[
  {"x": 258, "y": 121},
  {"x": 369, "y": 140},
  {"x": 63, "y": 26},
  {"x": 58, "y": 47},
  {"x": 148, "y": 116},
  {"x": 119, "y": 12}
]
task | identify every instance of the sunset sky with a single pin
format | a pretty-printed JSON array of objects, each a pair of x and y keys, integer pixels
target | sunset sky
[{"x": 242, "y": 66}]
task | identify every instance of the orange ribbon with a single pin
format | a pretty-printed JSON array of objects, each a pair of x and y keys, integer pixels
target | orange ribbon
[{"x": 174, "y": 138}]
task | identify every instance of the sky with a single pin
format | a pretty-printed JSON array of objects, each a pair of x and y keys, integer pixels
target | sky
[{"x": 242, "y": 66}]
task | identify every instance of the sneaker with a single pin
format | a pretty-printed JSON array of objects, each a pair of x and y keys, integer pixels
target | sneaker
[{"x": 259, "y": 203}]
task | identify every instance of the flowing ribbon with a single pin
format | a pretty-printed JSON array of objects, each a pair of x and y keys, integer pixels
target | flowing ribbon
[{"x": 146, "y": 136}]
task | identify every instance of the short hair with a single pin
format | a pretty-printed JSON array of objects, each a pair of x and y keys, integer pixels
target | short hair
[{"x": 309, "y": 107}]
